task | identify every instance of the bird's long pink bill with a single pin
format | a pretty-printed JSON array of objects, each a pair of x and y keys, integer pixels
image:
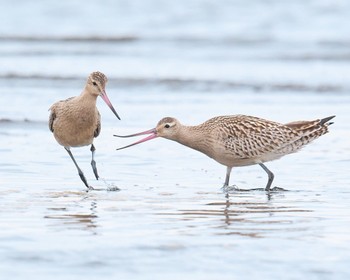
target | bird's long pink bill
[
  {"x": 109, "y": 103},
  {"x": 150, "y": 137}
]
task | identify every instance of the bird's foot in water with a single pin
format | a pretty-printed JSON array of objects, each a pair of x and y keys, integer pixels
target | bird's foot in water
[
  {"x": 113, "y": 189},
  {"x": 90, "y": 188},
  {"x": 234, "y": 188},
  {"x": 277, "y": 189},
  {"x": 108, "y": 189}
]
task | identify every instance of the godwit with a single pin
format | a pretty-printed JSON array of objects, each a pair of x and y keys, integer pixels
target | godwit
[
  {"x": 76, "y": 121},
  {"x": 240, "y": 140}
]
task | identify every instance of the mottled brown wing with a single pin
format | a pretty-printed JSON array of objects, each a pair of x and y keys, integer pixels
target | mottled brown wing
[
  {"x": 51, "y": 120},
  {"x": 98, "y": 126},
  {"x": 247, "y": 137},
  {"x": 53, "y": 112},
  {"x": 303, "y": 125}
]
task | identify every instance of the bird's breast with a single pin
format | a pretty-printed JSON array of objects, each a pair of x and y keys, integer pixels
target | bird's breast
[{"x": 75, "y": 127}]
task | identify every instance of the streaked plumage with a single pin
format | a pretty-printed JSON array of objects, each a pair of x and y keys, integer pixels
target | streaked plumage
[
  {"x": 240, "y": 140},
  {"x": 76, "y": 121}
]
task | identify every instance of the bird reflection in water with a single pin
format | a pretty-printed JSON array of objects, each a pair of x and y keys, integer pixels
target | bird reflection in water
[
  {"x": 83, "y": 221},
  {"x": 243, "y": 215}
]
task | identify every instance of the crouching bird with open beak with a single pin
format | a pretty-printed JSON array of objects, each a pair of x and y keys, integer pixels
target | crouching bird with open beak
[
  {"x": 240, "y": 140},
  {"x": 75, "y": 122}
]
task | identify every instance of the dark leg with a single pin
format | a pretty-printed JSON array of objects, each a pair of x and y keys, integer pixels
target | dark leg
[
  {"x": 81, "y": 174},
  {"x": 270, "y": 174},
  {"x": 93, "y": 162},
  {"x": 227, "y": 180}
]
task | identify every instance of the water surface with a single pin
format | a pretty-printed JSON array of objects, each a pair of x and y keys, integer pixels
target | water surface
[{"x": 191, "y": 60}]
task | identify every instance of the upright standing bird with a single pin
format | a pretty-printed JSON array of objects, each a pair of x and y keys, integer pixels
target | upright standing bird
[
  {"x": 76, "y": 121},
  {"x": 240, "y": 140}
]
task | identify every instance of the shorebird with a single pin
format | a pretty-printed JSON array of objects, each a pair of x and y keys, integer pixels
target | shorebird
[
  {"x": 75, "y": 122},
  {"x": 240, "y": 140}
]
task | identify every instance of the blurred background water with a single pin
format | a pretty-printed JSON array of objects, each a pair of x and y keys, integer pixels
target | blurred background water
[{"x": 281, "y": 60}]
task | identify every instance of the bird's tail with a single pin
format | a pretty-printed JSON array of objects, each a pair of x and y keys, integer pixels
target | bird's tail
[
  {"x": 310, "y": 126},
  {"x": 325, "y": 121},
  {"x": 308, "y": 131}
]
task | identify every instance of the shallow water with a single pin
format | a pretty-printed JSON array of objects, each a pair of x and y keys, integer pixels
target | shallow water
[{"x": 170, "y": 218}]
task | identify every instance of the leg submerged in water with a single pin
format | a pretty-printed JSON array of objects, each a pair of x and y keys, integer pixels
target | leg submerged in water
[
  {"x": 93, "y": 162},
  {"x": 227, "y": 179},
  {"x": 271, "y": 177}
]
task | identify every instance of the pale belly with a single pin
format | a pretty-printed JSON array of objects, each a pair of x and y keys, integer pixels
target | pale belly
[
  {"x": 74, "y": 138},
  {"x": 228, "y": 159}
]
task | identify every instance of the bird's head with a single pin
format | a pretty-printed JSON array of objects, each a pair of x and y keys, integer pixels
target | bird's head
[
  {"x": 96, "y": 85},
  {"x": 167, "y": 128}
]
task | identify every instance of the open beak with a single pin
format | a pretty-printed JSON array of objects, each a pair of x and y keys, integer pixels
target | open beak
[
  {"x": 105, "y": 98},
  {"x": 153, "y": 135}
]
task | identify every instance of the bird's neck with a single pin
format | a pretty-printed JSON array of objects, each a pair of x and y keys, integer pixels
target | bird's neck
[
  {"x": 87, "y": 99},
  {"x": 193, "y": 137}
]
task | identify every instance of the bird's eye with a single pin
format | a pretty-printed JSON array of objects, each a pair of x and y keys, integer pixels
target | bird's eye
[
  {"x": 94, "y": 83},
  {"x": 167, "y": 125}
]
